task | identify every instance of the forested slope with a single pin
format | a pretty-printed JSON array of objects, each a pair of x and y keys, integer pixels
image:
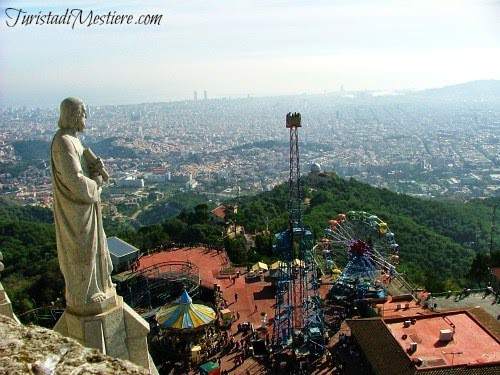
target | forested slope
[{"x": 439, "y": 242}]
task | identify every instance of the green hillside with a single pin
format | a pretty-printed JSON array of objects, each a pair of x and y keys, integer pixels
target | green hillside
[
  {"x": 31, "y": 276},
  {"x": 11, "y": 210},
  {"x": 438, "y": 242},
  {"x": 107, "y": 147}
]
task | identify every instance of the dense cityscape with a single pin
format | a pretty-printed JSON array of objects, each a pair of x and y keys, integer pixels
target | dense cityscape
[{"x": 422, "y": 144}]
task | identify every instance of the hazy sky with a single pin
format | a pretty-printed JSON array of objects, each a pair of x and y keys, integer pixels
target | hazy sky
[{"x": 233, "y": 48}]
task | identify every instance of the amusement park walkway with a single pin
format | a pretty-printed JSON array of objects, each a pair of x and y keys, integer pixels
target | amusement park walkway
[
  {"x": 251, "y": 293},
  {"x": 255, "y": 295}
]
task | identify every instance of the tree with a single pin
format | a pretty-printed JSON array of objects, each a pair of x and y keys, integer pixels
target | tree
[
  {"x": 321, "y": 197},
  {"x": 479, "y": 272},
  {"x": 194, "y": 234},
  {"x": 174, "y": 227},
  {"x": 235, "y": 249},
  {"x": 151, "y": 236},
  {"x": 264, "y": 245},
  {"x": 495, "y": 258},
  {"x": 201, "y": 215},
  {"x": 433, "y": 282}
]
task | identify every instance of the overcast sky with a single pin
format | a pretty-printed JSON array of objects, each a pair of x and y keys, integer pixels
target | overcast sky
[{"x": 235, "y": 48}]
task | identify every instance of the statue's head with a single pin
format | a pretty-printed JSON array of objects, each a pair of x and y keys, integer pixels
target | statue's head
[{"x": 72, "y": 114}]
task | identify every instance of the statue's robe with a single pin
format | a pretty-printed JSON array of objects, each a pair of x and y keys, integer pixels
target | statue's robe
[{"x": 81, "y": 242}]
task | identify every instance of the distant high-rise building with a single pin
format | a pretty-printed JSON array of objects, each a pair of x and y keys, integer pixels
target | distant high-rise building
[
  {"x": 195, "y": 95},
  {"x": 205, "y": 96}
]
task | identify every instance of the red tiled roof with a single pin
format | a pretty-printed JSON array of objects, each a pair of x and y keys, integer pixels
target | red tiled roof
[
  {"x": 379, "y": 347},
  {"x": 493, "y": 369},
  {"x": 220, "y": 211},
  {"x": 486, "y": 320}
]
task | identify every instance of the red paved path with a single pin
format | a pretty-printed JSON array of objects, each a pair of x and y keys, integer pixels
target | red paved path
[
  {"x": 250, "y": 293},
  {"x": 210, "y": 263},
  {"x": 259, "y": 293}
]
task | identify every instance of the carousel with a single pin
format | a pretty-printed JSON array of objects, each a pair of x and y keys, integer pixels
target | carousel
[
  {"x": 185, "y": 314},
  {"x": 186, "y": 332}
]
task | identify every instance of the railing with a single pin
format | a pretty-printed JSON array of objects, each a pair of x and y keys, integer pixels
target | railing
[{"x": 167, "y": 270}]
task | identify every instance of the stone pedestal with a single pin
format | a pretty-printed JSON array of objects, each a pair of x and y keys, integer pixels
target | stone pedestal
[
  {"x": 6, "y": 306},
  {"x": 118, "y": 331}
]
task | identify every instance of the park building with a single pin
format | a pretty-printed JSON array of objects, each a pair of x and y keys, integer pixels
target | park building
[{"x": 123, "y": 255}]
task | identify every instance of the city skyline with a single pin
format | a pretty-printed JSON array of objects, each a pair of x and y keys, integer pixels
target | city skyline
[{"x": 255, "y": 48}]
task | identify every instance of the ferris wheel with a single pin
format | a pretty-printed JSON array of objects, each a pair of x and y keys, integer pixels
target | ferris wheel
[{"x": 360, "y": 250}]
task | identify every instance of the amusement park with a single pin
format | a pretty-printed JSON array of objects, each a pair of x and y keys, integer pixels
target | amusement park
[{"x": 208, "y": 316}]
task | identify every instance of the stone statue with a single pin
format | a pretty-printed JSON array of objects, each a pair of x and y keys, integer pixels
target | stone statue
[
  {"x": 81, "y": 242},
  {"x": 95, "y": 315}
]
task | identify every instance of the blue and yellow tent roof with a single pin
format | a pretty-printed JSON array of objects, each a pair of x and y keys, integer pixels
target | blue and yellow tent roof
[{"x": 185, "y": 315}]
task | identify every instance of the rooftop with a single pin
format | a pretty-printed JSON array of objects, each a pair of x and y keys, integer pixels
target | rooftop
[
  {"x": 470, "y": 343},
  {"x": 119, "y": 248},
  {"x": 418, "y": 343}
]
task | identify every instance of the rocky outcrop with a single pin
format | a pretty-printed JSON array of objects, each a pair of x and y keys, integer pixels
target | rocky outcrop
[{"x": 36, "y": 350}]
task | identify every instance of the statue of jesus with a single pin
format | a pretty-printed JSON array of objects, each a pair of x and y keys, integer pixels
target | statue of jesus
[{"x": 81, "y": 242}]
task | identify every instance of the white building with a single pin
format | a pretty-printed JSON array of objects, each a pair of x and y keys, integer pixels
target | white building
[
  {"x": 130, "y": 182},
  {"x": 191, "y": 184}
]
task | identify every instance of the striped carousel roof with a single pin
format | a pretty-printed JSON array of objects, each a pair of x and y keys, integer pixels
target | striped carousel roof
[{"x": 185, "y": 315}]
